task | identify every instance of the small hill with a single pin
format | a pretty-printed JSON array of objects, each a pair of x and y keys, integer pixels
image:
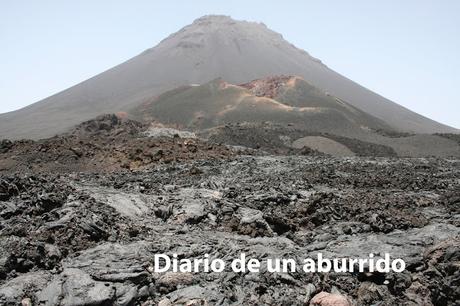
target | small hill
[
  {"x": 281, "y": 100},
  {"x": 297, "y": 109}
]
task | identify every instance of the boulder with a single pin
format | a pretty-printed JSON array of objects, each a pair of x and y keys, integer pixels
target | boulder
[{"x": 329, "y": 299}]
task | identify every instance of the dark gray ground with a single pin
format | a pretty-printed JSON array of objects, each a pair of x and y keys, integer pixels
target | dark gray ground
[{"x": 89, "y": 239}]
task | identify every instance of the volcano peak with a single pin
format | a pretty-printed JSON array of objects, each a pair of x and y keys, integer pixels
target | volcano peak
[{"x": 212, "y": 46}]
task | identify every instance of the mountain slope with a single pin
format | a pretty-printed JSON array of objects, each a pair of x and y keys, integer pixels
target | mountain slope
[
  {"x": 282, "y": 108},
  {"x": 211, "y": 47},
  {"x": 283, "y": 100}
]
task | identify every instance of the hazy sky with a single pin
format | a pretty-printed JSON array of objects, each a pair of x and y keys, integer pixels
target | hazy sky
[{"x": 407, "y": 51}]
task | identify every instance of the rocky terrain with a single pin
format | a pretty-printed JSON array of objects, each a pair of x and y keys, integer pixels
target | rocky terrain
[
  {"x": 83, "y": 214},
  {"x": 288, "y": 139},
  {"x": 106, "y": 143}
]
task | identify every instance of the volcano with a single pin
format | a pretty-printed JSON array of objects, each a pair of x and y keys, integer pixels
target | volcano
[{"x": 211, "y": 47}]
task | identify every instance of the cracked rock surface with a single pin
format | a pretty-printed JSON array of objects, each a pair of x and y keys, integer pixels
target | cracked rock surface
[{"x": 83, "y": 238}]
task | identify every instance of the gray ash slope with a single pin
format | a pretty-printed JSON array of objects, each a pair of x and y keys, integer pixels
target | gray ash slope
[{"x": 211, "y": 47}]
